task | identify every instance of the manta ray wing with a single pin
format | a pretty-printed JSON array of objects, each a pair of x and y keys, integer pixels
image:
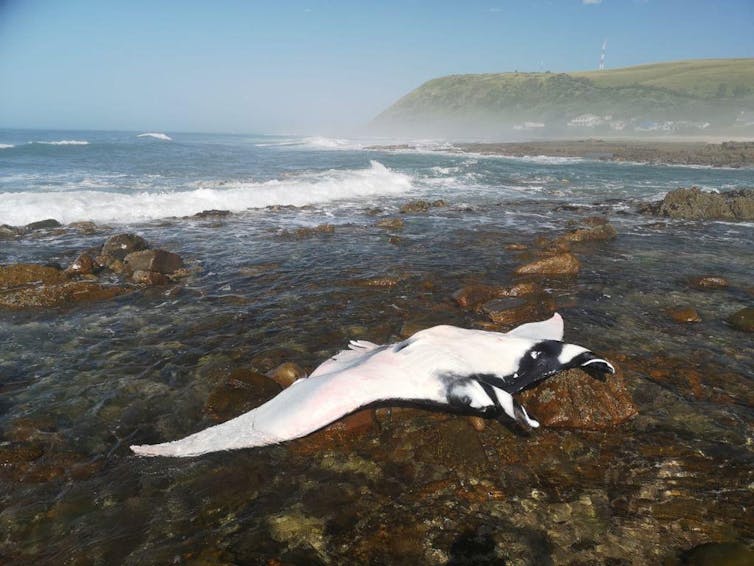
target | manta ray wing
[{"x": 550, "y": 329}]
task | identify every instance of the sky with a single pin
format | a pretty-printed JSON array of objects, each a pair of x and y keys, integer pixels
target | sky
[{"x": 315, "y": 66}]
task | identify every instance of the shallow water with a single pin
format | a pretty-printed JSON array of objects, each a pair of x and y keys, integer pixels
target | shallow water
[{"x": 82, "y": 383}]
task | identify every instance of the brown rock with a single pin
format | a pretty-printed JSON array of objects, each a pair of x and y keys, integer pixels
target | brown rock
[
  {"x": 695, "y": 204},
  {"x": 683, "y": 315},
  {"x": 306, "y": 232},
  {"x": 29, "y": 274},
  {"x": 598, "y": 232},
  {"x": 150, "y": 278},
  {"x": 477, "y": 423},
  {"x": 212, "y": 214},
  {"x": 421, "y": 206},
  {"x": 85, "y": 227},
  {"x": 82, "y": 265},
  {"x": 573, "y": 399},
  {"x": 560, "y": 264},
  {"x": 743, "y": 320},
  {"x": 472, "y": 296},
  {"x": 709, "y": 282},
  {"x": 57, "y": 295},
  {"x": 120, "y": 245},
  {"x": 387, "y": 281},
  {"x": 391, "y": 223},
  {"x": 286, "y": 373},
  {"x": 160, "y": 261},
  {"x": 512, "y": 311}
]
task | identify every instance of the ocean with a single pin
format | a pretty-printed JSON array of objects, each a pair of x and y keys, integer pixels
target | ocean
[{"x": 82, "y": 382}]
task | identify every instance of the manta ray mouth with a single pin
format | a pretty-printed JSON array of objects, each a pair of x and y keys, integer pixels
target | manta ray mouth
[{"x": 595, "y": 366}]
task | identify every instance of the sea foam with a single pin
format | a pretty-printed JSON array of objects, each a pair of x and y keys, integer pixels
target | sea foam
[
  {"x": 6, "y": 145},
  {"x": 236, "y": 196}
]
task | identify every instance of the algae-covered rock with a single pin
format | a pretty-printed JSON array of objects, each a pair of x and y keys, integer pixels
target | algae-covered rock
[
  {"x": 120, "y": 245},
  {"x": 159, "y": 261},
  {"x": 743, "y": 319},
  {"x": 695, "y": 204},
  {"x": 557, "y": 265}
]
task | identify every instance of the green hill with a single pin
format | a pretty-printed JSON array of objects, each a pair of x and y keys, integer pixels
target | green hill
[{"x": 685, "y": 97}]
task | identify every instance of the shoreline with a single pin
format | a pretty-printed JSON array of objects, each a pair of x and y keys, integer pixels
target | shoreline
[{"x": 734, "y": 154}]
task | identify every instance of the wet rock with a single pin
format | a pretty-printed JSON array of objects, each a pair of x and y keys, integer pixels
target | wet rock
[
  {"x": 29, "y": 274},
  {"x": 120, "y": 245},
  {"x": 684, "y": 315},
  {"x": 309, "y": 232},
  {"x": 83, "y": 265},
  {"x": 557, "y": 265},
  {"x": 472, "y": 296},
  {"x": 394, "y": 240},
  {"x": 573, "y": 399},
  {"x": 258, "y": 269},
  {"x": 695, "y": 204},
  {"x": 512, "y": 311},
  {"x": 477, "y": 423},
  {"x": 718, "y": 554},
  {"x": 599, "y": 232},
  {"x": 85, "y": 227},
  {"x": 159, "y": 261},
  {"x": 387, "y": 281},
  {"x": 516, "y": 247},
  {"x": 43, "y": 225},
  {"x": 57, "y": 295},
  {"x": 709, "y": 282},
  {"x": 391, "y": 223},
  {"x": 149, "y": 278},
  {"x": 743, "y": 319},
  {"x": 286, "y": 373},
  {"x": 212, "y": 214},
  {"x": 416, "y": 206},
  {"x": 10, "y": 232}
]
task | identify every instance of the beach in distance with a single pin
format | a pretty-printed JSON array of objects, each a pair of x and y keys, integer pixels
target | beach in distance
[{"x": 155, "y": 283}]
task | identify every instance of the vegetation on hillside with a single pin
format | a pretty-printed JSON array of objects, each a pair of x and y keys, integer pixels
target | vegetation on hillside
[{"x": 682, "y": 97}]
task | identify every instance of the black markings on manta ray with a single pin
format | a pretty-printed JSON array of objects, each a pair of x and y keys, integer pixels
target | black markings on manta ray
[{"x": 469, "y": 370}]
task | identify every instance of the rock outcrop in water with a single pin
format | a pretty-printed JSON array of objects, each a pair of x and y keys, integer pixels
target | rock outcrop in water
[
  {"x": 25, "y": 286},
  {"x": 695, "y": 204}
]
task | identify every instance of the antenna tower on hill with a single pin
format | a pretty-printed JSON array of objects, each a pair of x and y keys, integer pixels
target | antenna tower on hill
[{"x": 602, "y": 57}]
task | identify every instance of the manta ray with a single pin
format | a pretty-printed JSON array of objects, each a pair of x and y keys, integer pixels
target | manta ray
[{"x": 466, "y": 370}]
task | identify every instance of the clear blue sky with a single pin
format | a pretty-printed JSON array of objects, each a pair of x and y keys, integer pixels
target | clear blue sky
[{"x": 314, "y": 66}]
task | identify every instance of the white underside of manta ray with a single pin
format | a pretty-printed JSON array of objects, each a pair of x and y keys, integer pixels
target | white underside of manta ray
[{"x": 465, "y": 370}]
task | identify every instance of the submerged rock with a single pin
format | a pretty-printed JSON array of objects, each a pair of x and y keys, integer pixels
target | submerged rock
[
  {"x": 471, "y": 296},
  {"x": 391, "y": 223},
  {"x": 683, "y": 315},
  {"x": 558, "y": 265},
  {"x": 709, "y": 282},
  {"x": 55, "y": 295},
  {"x": 695, "y": 204},
  {"x": 599, "y": 231},
  {"x": 743, "y": 319},
  {"x": 286, "y": 373},
  {"x": 415, "y": 206},
  {"x": 574, "y": 399}
]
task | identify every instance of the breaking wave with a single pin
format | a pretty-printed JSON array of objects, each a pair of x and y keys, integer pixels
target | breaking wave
[
  {"x": 236, "y": 196},
  {"x": 156, "y": 135},
  {"x": 6, "y": 145},
  {"x": 63, "y": 142}
]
